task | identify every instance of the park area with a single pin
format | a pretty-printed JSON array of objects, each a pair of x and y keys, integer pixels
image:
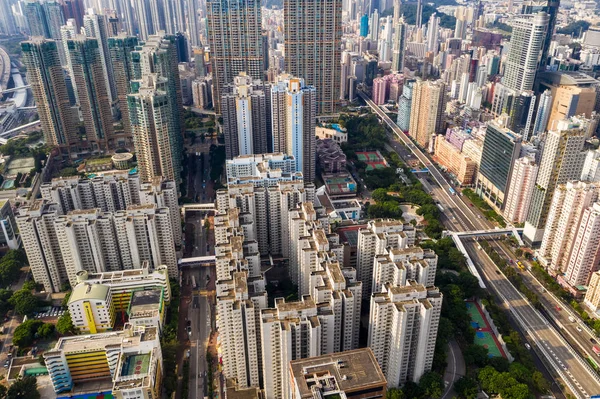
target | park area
[
  {"x": 373, "y": 159},
  {"x": 484, "y": 336}
]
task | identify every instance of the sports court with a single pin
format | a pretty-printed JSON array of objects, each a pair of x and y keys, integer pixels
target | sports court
[
  {"x": 337, "y": 185},
  {"x": 373, "y": 159},
  {"x": 484, "y": 335},
  {"x": 135, "y": 364}
]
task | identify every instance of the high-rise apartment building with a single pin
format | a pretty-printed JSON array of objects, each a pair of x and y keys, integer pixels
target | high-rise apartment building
[
  {"x": 586, "y": 248},
  {"x": 591, "y": 166},
  {"x": 525, "y": 54},
  {"x": 239, "y": 302},
  {"x": 36, "y": 18},
  {"x": 569, "y": 204},
  {"x": 92, "y": 92},
  {"x": 520, "y": 190},
  {"x": 235, "y": 41},
  {"x": 399, "y": 40},
  {"x": 294, "y": 112},
  {"x": 373, "y": 240},
  {"x": 405, "y": 104},
  {"x": 313, "y": 32},
  {"x": 120, "y": 49},
  {"x": 245, "y": 106},
  {"x": 8, "y": 226},
  {"x": 403, "y": 326},
  {"x": 428, "y": 98},
  {"x": 97, "y": 26},
  {"x": 291, "y": 331},
  {"x": 156, "y": 136},
  {"x": 267, "y": 206},
  {"x": 501, "y": 148},
  {"x": 46, "y": 76},
  {"x": 327, "y": 375},
  {"x": 592, "y": 296},
  {"x": 59, "y": 246},
  {"x": 562, "y": 161},
  {"x": 398, "y": 265},
  {"x": 164, "y": 194}
]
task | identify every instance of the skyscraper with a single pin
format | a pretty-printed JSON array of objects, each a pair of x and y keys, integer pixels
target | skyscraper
[
  {"x": 428, "y": 98},
  {"x": 403, "y": 326},
  {"x": 235, "y": 40},
  {"x": 46, "y": 76},
  {"x": 501, "y": 148},
  {"x": 36, "y": 18},
  {"x": 520, "y": 190},
  {"x": 525, "y": 54},
  {"x": 155, "y": 133},
  {"x": 294, "y": 114},
  {"x": 120, "y": 49},
  {"x": 96, "y": 26},
  {"x": 313, "y": 32},
  {"x": 399, "y": 40},
  {"x": 8, "y": 25},
  {"x": 562, "y": 161},
  {"x": 94, "y": 99},
  {"x": 245, "y": 106},
  {"x": 550, "y": 7},
  {"x": 543, "y": 113},
  {"x": 405, "y": 104}
]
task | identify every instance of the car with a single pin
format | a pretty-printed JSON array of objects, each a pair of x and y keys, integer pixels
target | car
[
  {"x": 557, "y": 308},
  {"x": 593, "y": 341},
  {"x": 527, "y": 346},
  {"x": 470, "y": 204},
  {"x": 578, "y": 329}
]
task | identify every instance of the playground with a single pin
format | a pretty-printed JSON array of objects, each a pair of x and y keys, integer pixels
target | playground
[
  {"x": 373, "y": 159},
  {"x": 135, "y": 364},
  {"x": 339, "y": 185},
  {"x": 484, "y": 335}
]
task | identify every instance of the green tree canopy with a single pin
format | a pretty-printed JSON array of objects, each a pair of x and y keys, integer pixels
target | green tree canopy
[
  {"x": 64, "y": 325},
  {"x": 24, "y": 334},
  {"x": 24, "y": 302},
  {"x": 466, "y": 388},
  {"x": 24, "y": 388}
]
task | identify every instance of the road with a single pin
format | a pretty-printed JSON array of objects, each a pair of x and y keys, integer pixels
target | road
[
  {"x": 455, "y": 369},
  {"x": 461, "y": 216},
  {"x": 574, "y": 372},
  {"x": 566, "y": 321}
]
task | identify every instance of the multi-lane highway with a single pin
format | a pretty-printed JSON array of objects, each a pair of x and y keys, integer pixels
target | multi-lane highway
[{"x": 561, "y": 357}]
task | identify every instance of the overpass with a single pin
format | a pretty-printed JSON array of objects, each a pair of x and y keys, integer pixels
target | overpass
[
  {"x": 198, "y": 261},
  {"x": 15, "y": 89}
]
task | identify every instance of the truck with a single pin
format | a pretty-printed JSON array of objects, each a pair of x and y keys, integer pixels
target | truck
[{"x": 596, "y": 349}]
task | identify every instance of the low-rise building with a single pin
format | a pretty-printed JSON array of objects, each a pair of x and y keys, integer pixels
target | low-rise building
[
  {"x": 333, "y": 131},
  {"x": 129, "y": 360},
  {"x": 457, "y": 163},
  {"x": 91, "y": 308},
  {"x": 313, "y": 377}
]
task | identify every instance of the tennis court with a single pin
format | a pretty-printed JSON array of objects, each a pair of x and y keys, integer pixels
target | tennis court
[
  {"x": 477, "y": 320},
  {"x": 373, "y": 159}
]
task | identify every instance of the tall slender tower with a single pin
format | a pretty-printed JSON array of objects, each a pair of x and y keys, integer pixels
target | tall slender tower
[
  {"x": 525, "y": 54},
  {"x": 47, "y": 79},
  {"x": 235, "y": 40},
  {"x": 313, "y": 32},
  {"x": 419, "y": 16},
  {"x": 94, "y": 100},
  {"x": 154, "y": 129},
  {"x": 120, "y": 49},
  {"x": 245, "y": 116},
  {"x": 399, "y": 40},
  {"x": 96, "y": 26},
  {"x": 426, "y": 110},
  {"x": 294, "y": 113}
]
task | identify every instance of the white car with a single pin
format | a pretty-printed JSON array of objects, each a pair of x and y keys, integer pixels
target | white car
[
  {"x": 578, "y": 328},
  {"x": 527, "y": 346}
]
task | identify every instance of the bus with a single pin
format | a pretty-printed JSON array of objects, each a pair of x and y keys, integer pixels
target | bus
[{"x": 452, "y": 191}]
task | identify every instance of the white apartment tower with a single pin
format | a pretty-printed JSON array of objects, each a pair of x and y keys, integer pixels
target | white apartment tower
[
  {"x": 374, "y": 240},
  {"x": 397, "y": 266},
  {"x": 569, "y": 204},
  {"x": 562, "y": 161},
  {"x": 246, "y": 120},
  {"x": 403, "y": 326},
  {"x": 59, "y": 246},
  {"x": 592, "y": 296},
  {"x": 294, "y": 113},
  {"x": 586, "y": 248},
  {"x": 522, "y": 182}
]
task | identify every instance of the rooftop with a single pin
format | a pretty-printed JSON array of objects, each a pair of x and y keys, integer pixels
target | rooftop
[
  {"x": 348, "y": 371},
  {"x": 89, "y": 292}
]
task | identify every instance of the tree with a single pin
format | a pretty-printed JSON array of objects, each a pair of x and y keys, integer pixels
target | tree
[
  {"x": 395, "y": 393},
  {"x": 29, "y": 285},
  {"x": 539, "y": 382},
  {"x": 64, "y": 325},
  {"x": 432, "y": 384},
  {"x": 24, "y": 302},
  {"x": 25, "y": 333},
  {"x": 476, "y": 355},
  {"x": 10, "y": 269},
  {"x": 46, "y": 330},
  {"x": 3, "y": 391},
  {"x": 520, "y": 372},
  {"x": 466, "y": 388},
  {"x": 24, "y": 388}
]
